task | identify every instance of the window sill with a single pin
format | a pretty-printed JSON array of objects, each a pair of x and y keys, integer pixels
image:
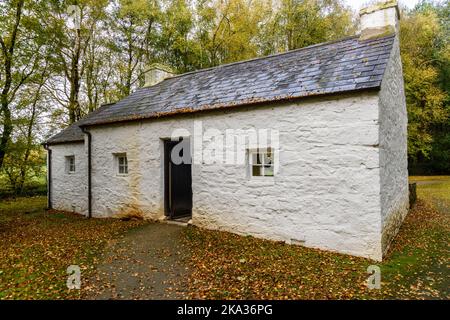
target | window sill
[{"x": 122, "y": 174}]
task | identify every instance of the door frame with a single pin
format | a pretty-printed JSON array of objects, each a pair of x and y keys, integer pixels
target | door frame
[{"x": 166, "y": 142}]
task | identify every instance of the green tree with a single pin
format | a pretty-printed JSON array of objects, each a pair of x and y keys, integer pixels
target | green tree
[
  {"x": 133, "y": 40},
  {"x": 306, "y": 22},
  {"x": 70, "y": 46},
  {"x": 440, "y": 153},
  {"x": 175, "y": 45},
  {"x": 422, "y": 56},
  {"x": 229, "y": 31},
  {"x": 24, "y": 158},
  {"x": 22, "y": 40}
]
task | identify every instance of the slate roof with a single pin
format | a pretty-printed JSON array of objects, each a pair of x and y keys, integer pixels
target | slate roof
[
  {"x": 72, "y": 133},
  {"x": 335, "y": 67}
]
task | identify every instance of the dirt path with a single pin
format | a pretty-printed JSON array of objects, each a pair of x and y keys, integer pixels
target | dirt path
[{"x": 147, "y": 263}]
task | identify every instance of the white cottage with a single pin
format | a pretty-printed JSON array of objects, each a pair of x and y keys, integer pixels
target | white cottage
[{"x": 331, "y": 173}]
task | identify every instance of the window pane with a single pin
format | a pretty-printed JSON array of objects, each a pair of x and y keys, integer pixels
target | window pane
[
  {"x": 268, "y": 158},
  {"x": 258, "y": 158},
  {"x": 122, "y": 164},
  {"x": 255, "y": 158},
  {"x": 256, "y": 171},
  {"x": 268, "y": 171},
  {"x": 70, "y": 162},
  {"x": 262, "y": 163}
]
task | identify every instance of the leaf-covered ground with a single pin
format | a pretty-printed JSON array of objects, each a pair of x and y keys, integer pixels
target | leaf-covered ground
[
  {"x": 228, "y": 266},
  {"x": 36, "y": 247}
]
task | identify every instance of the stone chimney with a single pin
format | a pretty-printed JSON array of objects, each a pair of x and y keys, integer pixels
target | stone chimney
[
  {"x": 379, "y": 20},
  {"x": 155, "y": 73}
]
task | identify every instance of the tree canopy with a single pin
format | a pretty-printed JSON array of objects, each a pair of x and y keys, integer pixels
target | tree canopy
[{"x": 425, "y": 50}]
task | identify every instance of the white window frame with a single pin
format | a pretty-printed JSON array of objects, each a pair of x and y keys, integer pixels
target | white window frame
[
  {"x": 121, "y": 166},
  {"x": 259, "y": 158},
  {"x": 70, "y": 164}
]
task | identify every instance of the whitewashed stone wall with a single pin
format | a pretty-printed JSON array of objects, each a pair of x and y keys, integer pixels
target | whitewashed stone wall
[
  {"x": 393, "y": 149},
  {"x": 325, "y": 195},
  {"x": 69, "y": 190}
]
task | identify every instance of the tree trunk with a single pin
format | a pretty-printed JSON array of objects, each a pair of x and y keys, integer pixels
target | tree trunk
[
  {"x": 23, "y": 169},
  {"x": 8, "y": 52},
  {"x": 74, "y": 104},
  {"x": 129, "y": 74}
]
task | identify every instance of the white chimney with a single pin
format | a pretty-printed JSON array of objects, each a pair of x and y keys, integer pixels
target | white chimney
[
  {"x": 155, "y": 73},
  {"x": 379, "y": 20}
]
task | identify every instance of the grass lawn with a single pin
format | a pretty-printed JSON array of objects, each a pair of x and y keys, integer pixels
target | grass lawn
[
  {"x": 227, "y": 266},
  {"x": 436, "y": 189},
  {"x": 37, "y": 246}
]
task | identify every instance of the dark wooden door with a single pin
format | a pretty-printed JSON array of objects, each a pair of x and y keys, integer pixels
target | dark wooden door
[{"x": 178, "y": 183}]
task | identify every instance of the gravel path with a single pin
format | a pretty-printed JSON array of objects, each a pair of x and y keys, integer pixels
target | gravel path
[{"x": 147, "y": 263}]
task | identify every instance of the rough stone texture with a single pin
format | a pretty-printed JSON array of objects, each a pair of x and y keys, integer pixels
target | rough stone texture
[
  {"x": 393, "y": 149},
  {"x": 69, "y": 190},
  {"x": 325, "y": 195}
]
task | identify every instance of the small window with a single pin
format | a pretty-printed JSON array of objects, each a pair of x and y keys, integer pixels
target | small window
[
  {"x": 261, "y": 162},
  {"x": 122, "y": 163},
  {"x": 70, "y": 164}
]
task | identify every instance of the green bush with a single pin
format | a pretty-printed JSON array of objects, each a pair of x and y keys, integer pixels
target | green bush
[{"x": 32, "y": 188}]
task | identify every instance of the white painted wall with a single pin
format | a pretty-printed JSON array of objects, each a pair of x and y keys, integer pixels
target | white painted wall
[
  {"x": 69, "y": 190},
  {"x": 326, "y": 194},
  {"x": 393, "y": 149}
]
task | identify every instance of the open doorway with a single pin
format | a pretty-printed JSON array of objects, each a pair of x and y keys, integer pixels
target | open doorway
[{"x": 177, "y": 180}]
